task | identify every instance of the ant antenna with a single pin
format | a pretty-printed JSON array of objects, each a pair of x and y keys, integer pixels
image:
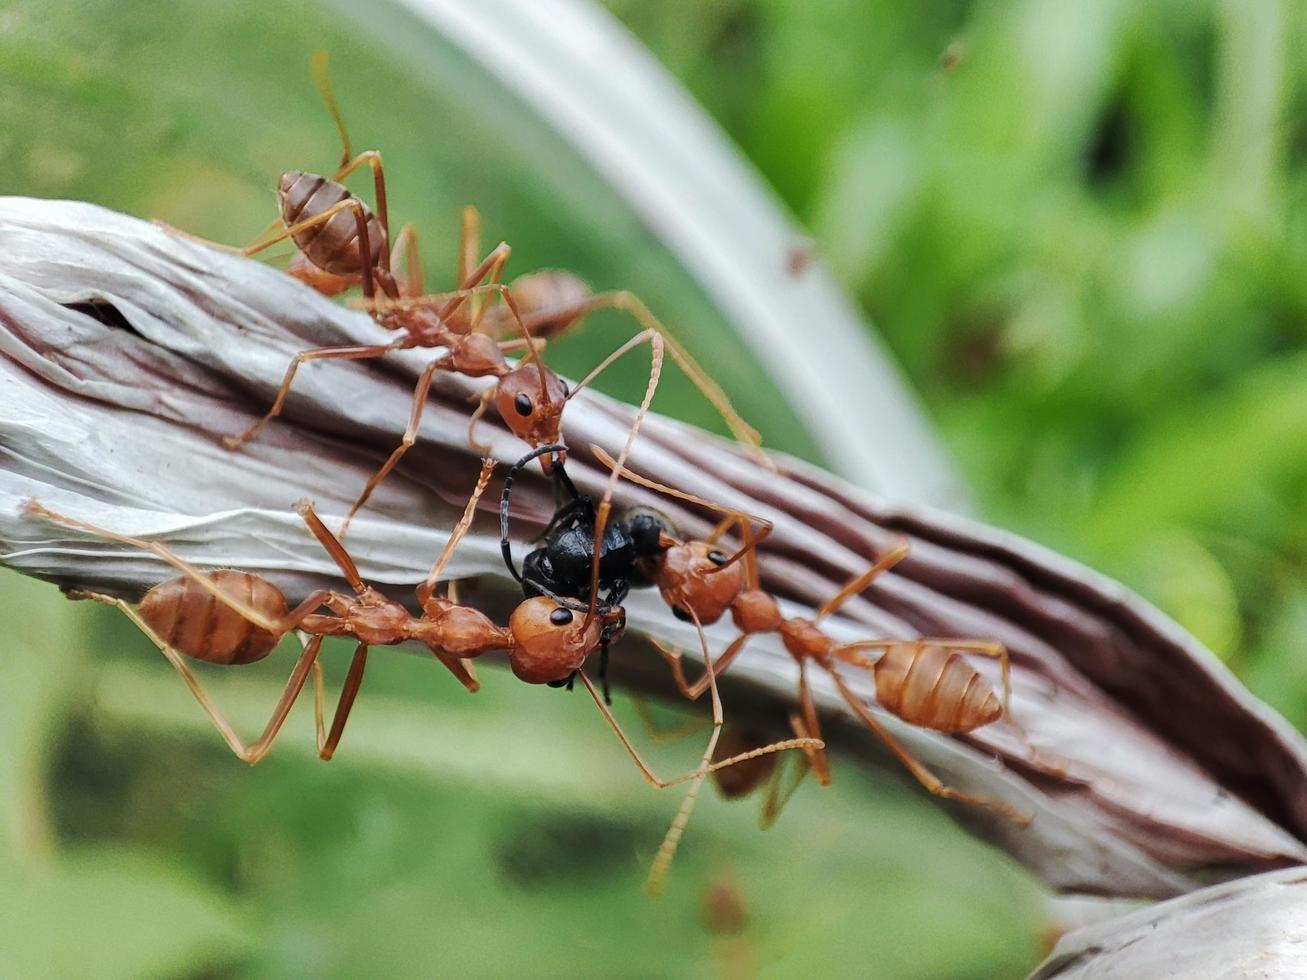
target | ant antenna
[{"x": 506, "y": 546}]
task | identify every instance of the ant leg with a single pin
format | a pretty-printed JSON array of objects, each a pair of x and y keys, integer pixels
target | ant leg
[
  {"x": 277, "y": 627},
  {"x": 294, "y": 685},
  {"x": 483, "y": 403},
  {"x": 318, "y": 66},
  {"x": 933, "y": 784},
  {"x": 360, "y": 352},
  {"x": 695, "y": 691},
  {"x": 632, "y": 305},
  {"x": 672, "y": 839},
  {"x": 361, "y": 219},
  {"x": 651, "y": 776},
  {"x": 460, "y": 529},
  {"x": 859, "y": 583},
  {"x": 655, "y": 342},
  {"x": 331, "y": 545},
  {"x": 372, "y": 158},
  {"x": 811, "y": 723},
  {"x": 420, "y": 392},
  {"x": 469, "y": 241},
  {"x": 350, "y": 690},
  {"x": 776, "y": 798}
]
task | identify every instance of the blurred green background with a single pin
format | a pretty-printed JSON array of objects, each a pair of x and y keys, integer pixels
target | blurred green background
[{"x": 1081, "y": 228}]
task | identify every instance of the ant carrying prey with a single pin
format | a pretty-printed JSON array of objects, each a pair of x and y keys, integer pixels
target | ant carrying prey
[{"x": 228, "y": 617}]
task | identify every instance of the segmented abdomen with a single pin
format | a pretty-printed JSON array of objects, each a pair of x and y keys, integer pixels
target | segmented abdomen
[
  {"x": 195, "y": 622},
  {"x": 935, "y": 688},
  {"x": 332, "y": 246}
]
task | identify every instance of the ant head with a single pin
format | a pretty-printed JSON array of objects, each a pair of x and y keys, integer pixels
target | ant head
[
  {"x": 530, "y": 400},
  {"x": 548, "y": 642},
  {"x": 692, "y": 578}
]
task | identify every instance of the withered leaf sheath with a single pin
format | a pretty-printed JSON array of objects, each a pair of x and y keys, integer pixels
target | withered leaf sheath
[{"x": 1155, "y": 768}]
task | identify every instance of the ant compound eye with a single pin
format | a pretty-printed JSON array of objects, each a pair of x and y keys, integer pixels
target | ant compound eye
[
  {"x": 717, "y": 558},
  {"x": 680, "y": 614},
  {"x": 523, "y": 403},
  {"x": 560, "y": 616}
]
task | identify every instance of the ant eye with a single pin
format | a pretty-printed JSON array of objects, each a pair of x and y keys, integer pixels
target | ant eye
[
  {"x": 560, "y": 616},
  {"x": 522, "y": 403},
  {"x": 680, "y": 614},
  {"x": 717, "y": 558}
]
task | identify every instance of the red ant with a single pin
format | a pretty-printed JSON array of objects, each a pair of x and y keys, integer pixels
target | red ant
[
  {"x": 341, "y": 240},
  {"x": 229, "y": 617},
  {"x": 925, "y": 682}
]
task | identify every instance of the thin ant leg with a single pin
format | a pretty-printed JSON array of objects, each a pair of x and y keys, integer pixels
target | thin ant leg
[
  {"x": 360, "y": 352},
  {"x": 350, "y": 690},
  {"x": 985, "y": 648},
  {"x": 812, "y": 724},
  {"x": 667, "y": 850},
  {"x": 859, "y": 583},
  {"x": 318, "y": 67},
  {"x": 651, "y": 776},
  {"x": 776, "y": 798},
  {"x": 469, "y": 240},
  {"x": 420, "y": 392},
  {"x": 631, "y": 304},
  {"x": 331, "y": 545},
  {"x": 277, "y": 628},
  {"x": 294, "y": 685},
  {"x": 695, "y": 691},
  {"x": 460, "y": 529},
  {"x": 655, "y": 342},
  {"x": 351, "y": 204},
  {"x": 924, "y": 776}
]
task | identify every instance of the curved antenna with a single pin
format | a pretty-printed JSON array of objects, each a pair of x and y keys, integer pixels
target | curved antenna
[{"x": 505, "y": 546}]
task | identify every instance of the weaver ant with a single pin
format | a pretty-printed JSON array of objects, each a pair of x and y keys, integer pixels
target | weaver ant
[
  {"x": 229, "y": 617},
  {"x": 341, "y": 240},
  {"x": 925, "y": 682}
]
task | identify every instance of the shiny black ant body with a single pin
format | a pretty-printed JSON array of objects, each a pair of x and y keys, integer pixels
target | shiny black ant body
[{"x": 562, "y": 566}]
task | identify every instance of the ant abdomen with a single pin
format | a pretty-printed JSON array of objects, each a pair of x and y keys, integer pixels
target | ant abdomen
[
  {"x": 332, "y": 246},
  {"x": 935, "y": 688},
  {"x": 192, "y": 620}
]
